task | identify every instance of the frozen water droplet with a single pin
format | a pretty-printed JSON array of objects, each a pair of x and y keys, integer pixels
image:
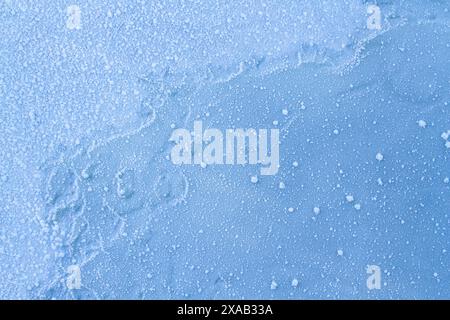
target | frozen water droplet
[
  {"x": 302, "y": 105},
  {"x": 273, "y": 285},
  {"x": 85, "y": 174},
  {"x": 422, "y": 123}
]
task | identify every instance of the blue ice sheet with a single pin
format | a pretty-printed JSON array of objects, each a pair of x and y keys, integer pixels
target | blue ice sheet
[{"x": 86, "y": 114}]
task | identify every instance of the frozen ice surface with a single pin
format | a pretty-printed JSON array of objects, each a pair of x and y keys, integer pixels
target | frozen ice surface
[{"x": 90, "y": 94}]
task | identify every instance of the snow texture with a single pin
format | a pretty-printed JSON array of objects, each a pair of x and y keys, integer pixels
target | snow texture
[{"x": 90, "y": 92}]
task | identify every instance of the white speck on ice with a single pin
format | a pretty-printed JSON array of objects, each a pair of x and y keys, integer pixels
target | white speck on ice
[
  {"x": 357, "y": 206},
  {"x": 316, "y": 210},
  {"x": 290, "y": 209},
  {"x": 379, "y": 156},
  {"x": 254, "y": 179},
  {"x": 340, "y": 252},
  {"x": 422, "y": 123},
  {"x": 282, "y": 185},
  {"x": 294, "y": 283},
  {"x": 349, "y": 198},
  {"x": 273, "y": 285},
  {"x": 446, "y": 180},
  {"x": 285, "y": 112},
  {"x": 84, "y": 174},
  {"x": 295, "y": 164}
]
